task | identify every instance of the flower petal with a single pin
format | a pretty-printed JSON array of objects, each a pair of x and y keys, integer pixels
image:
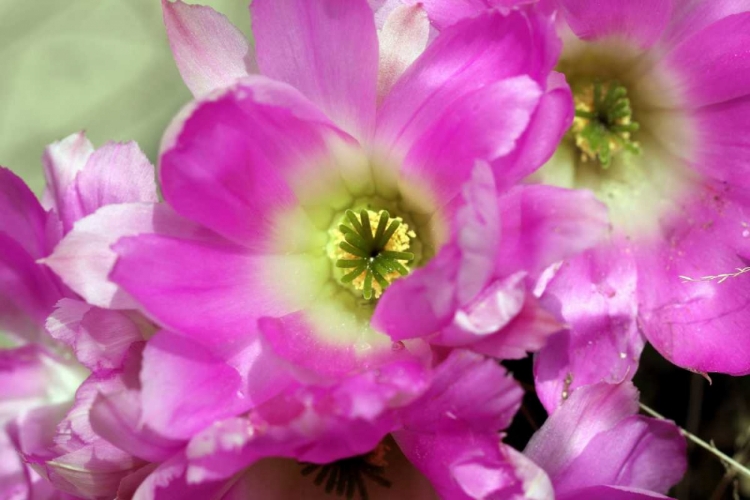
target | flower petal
[
  {"x": 639, "y": 21},
  {"x": 713, "y": 64},
  {"x": 650, "y": 454},
  {"x": 21, "y": 216},
  {"x": 402, "y": 39},
  {"x": 611, "y": 493},
  {"x": 245, "y": 162},
  {"x": 114, "y": 173},
  {"x": 209, "y": 51},
  {"x": 569, "y": 430},
  {"x": 327, "y": 49},
  {"x": 62, "y": 162},
  {"x": 595, "y": 295},
  {"x": 100, "y": 338}
]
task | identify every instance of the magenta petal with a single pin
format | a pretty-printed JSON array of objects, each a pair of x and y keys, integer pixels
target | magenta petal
[
  {"x": 99, "y": 337},
  {"x": 473, "y": 122},
  {"x": 216, "y": 281},
  {"x": 639, "y": 21},
  {"x": 234, "y": 162},
  {"x": 720, "y": 153},
  {"x": 62, "y": 162},
  {"x": 464, "y": 58},
  {"x": 209, "y": 51},
  {"x": 169, "y": 481},
  {"x": 186, "y": 386},
  {"x": 21, "y": 216},
  {"x": 14, "y": 484},
  {"x": 542, "y": 225},
  {"x": 611, "y": 493},
  {"x": 713, "y": 65},
  {"x": 468, "y": 391},
  {"x": 569, "y": 430},
  {"x": 550, "y": 121},
  {"x": 327, "y": 49},
  {"x": 28, "y": 291},
  {"x": 114, "y": 173},
  {"x": 595, "y": 295},
  {"x": 463, "y": 465},
  {"x": 650, "y": 454}
]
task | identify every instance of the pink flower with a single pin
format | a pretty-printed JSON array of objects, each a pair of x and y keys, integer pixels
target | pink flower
[
  {"x": 304, "y": 210},
  {"x": 653, "y": 138},
  {"x": 40, "y": 377}
]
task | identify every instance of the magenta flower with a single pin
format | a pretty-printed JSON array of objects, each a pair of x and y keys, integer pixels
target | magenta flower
[
  {"x": 595, "y": 446},
  {"x": 653, "y": 139},
  {"x": 40, "y": 377},
  {"x": 304, "y": 209}
]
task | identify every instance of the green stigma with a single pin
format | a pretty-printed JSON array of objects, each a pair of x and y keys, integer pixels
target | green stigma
[
  {"x": 603, "y": 122},
  {"x": 373, "y": 250}
]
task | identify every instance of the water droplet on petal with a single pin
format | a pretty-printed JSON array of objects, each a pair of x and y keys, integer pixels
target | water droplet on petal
[
  {"x": 623, "y": 355},
  {"x": 745, "y": 233}
]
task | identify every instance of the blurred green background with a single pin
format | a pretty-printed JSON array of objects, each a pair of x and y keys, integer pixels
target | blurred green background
[{"x": 103, "y": 66}]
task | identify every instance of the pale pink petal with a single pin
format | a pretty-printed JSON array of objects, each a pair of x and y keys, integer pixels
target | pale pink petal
[
  {"x": 114, "y": 173},
  {"x": 331, "y": 55},
  {"x": 712, "y": 65},
  {"x": 402, "y": 39},
  {"x": 638, "y": 21},
  {"x": 99, "y": 337},
  {"x": 62, "y": 162},
  {"x": 84, "y": 259},
  {"x": 692, "y": 17},
  {"x": 209, "y": 51}
]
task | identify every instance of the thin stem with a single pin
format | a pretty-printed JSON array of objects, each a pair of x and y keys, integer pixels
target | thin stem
[{"x": 711, "y": 448}]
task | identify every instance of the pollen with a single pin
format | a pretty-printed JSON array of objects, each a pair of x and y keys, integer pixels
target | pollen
[
  {"x": 373, "y": 249},
  {"x": 603, "y": 123}
]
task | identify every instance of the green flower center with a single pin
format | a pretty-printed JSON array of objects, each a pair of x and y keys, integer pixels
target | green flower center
[
  {"x": 603, "y": 123},
  {"x": 373, "y": 250}
]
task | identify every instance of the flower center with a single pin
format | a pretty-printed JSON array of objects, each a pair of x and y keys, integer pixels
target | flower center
[
  {"x": 603, "y": 121},
  {"x": 347, "y": 476},
  {"x": 372, "y": 249}
]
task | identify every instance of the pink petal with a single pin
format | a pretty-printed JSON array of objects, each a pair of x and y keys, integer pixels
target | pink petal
[
  {"x": 550, "y": 121},
  {"x": 611, "y": 493},
  {"x": 28, "y": 292},
  {"x": 114, "y": 173},
  {"x": 225, "y": 288},
  {"x": 639, "y": 21},
  {"x": 471, "y": 121},
  {"x": 402, "y": 39},
  {"x": 463, "y": 59},
  {"x": 99, "y": 337},
  {"x": 327, "y": 49},
  {"x": 569, "y": 430},
  {"x": 704, "y": 324},
  {"x": 14, "y": 484},
  {"x": 542, "y": 225},
  {"x": 719, "y": 152},
  {"x": 650, "y": 454},
  {"x": 712, "y": 65},
  {"x": 443, "y": 13},
  {"x": 185, "y": 386},
  {"x": 21, "y": 216},
  {"x": 84, "y": 259},
  {"x": 691, "y": 17},
  {"x": 468, "y": 391},
  {"x": 62, "y": 162},
  {"x": 248, "y": 157},
  {"x": 595, "y": 295},
  {"x": 463, "y": 465},
  {"x": 209, "y": 51}
]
